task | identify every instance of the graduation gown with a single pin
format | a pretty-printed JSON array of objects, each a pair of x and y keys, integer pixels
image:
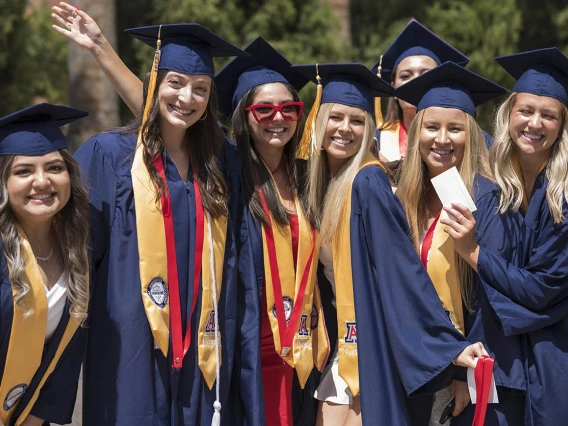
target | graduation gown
[
  {"x": 525, "y": 298},
  {"x": 248, "y": 390},
  {"x": 127, "y": 379},
  {"x": 56, "y": 399},
  {"x": 406, "y": 342}
]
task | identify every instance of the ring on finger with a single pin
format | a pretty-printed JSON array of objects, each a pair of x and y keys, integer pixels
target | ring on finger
[{"x": 68, "y": 25}]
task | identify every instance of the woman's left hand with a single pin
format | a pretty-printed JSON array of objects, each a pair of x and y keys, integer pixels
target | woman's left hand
[
  {"x": 462, "y": 230},
  {"x": 32, "y": 421},
  {"x": 461, "y": 391}
]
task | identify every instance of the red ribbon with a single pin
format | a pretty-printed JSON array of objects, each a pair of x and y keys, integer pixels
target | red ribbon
[
  {"x": 483, "y": 375},
  {"x": 427, "y": 243},
  {"x": 286, "y": 332},
  {"x": 180, "y": 345}
]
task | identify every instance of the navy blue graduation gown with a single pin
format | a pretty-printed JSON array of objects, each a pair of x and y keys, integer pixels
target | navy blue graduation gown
[
  {"x": 405, "y": 340},
  {"x": 56, "y": 399},
  {"x": 248, "y": 392},
  {"x": 127, "y": 380},
  {"x": 528, "y": 295}
]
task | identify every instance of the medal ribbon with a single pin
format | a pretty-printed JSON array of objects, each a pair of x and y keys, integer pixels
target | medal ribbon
[
  {"x": 180, "y": 345},
  {"x": 483, "y": 374},
  {"x": 286, "y": 332}
]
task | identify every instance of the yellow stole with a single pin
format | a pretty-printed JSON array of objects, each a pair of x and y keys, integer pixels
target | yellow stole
[
  {"x": 344, "y": 297},
  {"x": 26, "y": 345},
  {"x": 443, "y": 271},
  {"x": 151, "y": 235},
  {"x": 310, "y": 343},
  {"x": 390, "y": 147}
]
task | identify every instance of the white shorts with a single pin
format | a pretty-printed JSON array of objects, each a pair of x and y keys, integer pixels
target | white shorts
[{"x": 332, "y": 387}]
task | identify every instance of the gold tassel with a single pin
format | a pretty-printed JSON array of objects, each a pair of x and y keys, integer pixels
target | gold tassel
[
  {"x": 307, "y": 144},
  {"x": 152, "y": 82},
  {"x": 379, "y": 121}
]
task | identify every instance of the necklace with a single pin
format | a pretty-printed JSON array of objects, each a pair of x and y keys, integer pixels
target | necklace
[
  {"x": 46, "y": 258},
  {"x": 277, "y": 167}
]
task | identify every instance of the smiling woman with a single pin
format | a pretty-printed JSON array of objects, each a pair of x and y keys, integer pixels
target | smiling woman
[{"x": 44, "y": 267}]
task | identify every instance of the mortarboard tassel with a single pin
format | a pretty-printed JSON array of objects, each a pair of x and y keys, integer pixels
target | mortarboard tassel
[
  {"x": 307, "y": 142},
  {"x": 153, "y": 78},
  {"x": 378, "y": 112}
]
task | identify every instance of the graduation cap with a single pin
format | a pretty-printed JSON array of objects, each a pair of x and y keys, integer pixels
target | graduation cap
[
  {"x": 350, "y": 84},
  {"x": 415, "y": 39},
  {"x": 185, "y": 48},
  {"x": 449, "y": 86},
  {"x": 542, "y": 72},
  {"x": 265, "y": 65},
  {"x": 34, "y": 131}
]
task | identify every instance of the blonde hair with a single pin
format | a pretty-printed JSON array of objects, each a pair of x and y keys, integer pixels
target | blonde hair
[
  {"x": 414, "y": 182},
  {"x": 511, "y": 184},
  {"x": 327, "y": 195}
]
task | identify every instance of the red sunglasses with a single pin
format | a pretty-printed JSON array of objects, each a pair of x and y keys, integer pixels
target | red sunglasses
[{"x": 265, "y": 113}]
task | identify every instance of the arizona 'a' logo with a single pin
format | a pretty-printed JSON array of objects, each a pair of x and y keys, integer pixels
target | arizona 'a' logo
[
  {"x": 303, "y": 327},
  {"x": 210, "y": 324},
  {"x": 351, "y": 335}
]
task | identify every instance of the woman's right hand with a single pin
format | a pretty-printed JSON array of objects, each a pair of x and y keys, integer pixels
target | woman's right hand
[
  {"x": 78, "y": 26},
  {"x": 467, "y": 357}
]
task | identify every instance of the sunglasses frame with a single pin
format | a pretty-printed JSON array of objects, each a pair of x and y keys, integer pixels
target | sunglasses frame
[{"x": 276, "y": 109}]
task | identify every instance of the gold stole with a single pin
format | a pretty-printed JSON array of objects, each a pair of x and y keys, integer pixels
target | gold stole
[
  {"x": 308, "y": 347},
  {"x": 390, "y": 147},
  {"x": 443, "y": 271},
  {"x": 151, "y": 235},
  {"x": 26, "y": 345},
  {"x": 344, "y": 297}
]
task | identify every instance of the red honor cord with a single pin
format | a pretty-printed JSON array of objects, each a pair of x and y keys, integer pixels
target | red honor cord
[
  {"x": 483, "y": 374},
  {"x": 180, "y": 346}
]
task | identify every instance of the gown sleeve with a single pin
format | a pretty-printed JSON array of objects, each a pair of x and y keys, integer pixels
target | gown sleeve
[{"x": 401, "y": 322}]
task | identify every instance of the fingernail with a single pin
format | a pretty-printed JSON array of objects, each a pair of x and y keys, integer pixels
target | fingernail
[{"x": 77, "y": 7}]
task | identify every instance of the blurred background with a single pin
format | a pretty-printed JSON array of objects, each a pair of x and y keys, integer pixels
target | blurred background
[{"x": 37, "y": 64}]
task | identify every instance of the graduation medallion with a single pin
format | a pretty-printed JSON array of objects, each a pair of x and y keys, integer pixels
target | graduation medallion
[
  {"x": 14, "y": 396},
  {"x": 288, "y": 305},
  {"x": 158, "y": 292}
]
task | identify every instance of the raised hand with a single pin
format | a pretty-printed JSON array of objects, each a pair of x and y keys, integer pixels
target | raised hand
[
  {"x": 462, "y": 230},
  {"x": 78, "y": 26}
]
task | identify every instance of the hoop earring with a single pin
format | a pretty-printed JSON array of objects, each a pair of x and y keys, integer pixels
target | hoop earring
[{"x": 204, "y": 116}]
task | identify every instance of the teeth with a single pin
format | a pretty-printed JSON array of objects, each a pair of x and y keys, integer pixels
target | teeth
[
  {"x": 276, "y": 130},
  {"x": 181, "y": 111},
  {"x": 532, "y": 137},
  {"x": 342, "y": 141},
  {"x": 42, "y": 196},
  {"x": 442, "y": 151}
]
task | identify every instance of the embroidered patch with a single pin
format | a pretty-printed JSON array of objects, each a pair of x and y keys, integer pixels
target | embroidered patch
[
  {"x": 303, "y": 327},
  {"x": 314, "y": 318},
  {"x": 210, "y": 324},
  {"x": 288, "y": 305},
  {"x": 351, "y": 335},
  {"x": 14, "y": 396},
  {"x": 158, "y": 292}
]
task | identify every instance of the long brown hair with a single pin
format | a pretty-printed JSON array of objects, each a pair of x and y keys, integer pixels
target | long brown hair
[
  {"x": 206, "y": 142},
  {"x": 255, "y": 173},
  {"x": 71, "y": 225}
]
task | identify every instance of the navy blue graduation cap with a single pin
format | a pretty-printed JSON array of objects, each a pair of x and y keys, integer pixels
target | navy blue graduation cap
[
  {"x": 415, "y": 39},
  {"x": 186, "y": 48},
  {"x": 350, "y": 84},
  {"x": 542, "y": 72},
  {"x": 449, "y": 86},
  {"x": 265, "y": 65},
  {"x": 34, "y": 131}
]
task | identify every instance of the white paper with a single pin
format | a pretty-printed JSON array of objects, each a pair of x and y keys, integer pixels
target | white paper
[
  {"x": 493, "y": 398},
  {"x": 450, "y": 189}
]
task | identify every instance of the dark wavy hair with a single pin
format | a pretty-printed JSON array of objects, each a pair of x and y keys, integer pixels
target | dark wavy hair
[
  {"x": 255, "y": 174},
  {"x": 207, "y": 140}
]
